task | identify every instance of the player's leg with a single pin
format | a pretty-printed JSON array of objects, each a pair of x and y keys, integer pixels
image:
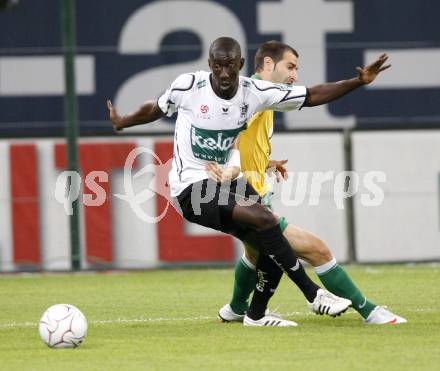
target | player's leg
[
  {"x": 271, "y": 242},
  {"x": 204, "y": 203},
  {"x": 213, "y": 205},
  {"x": 245, "y": 279},
  {"x": 268, "y": 278},
  {"x": 334, "y": 277},
  {"x": 247, "y": 269},
  {"x": 312, "y": 249}
]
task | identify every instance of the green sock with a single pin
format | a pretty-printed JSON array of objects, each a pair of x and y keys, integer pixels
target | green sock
[
  {"x": 337, "y": 281},
  {"x": 244, "y": 284}
]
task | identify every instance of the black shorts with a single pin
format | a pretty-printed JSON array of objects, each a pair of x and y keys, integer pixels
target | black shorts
[{"x": 210, "y": 204}]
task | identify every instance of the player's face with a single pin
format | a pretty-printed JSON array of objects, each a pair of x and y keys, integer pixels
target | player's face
[
  {"x": 286, "y": 70},
  {"x": 225, "y": 69}
]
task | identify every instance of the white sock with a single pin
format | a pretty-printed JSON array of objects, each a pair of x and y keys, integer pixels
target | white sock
[{"x": 321, "y": 269}]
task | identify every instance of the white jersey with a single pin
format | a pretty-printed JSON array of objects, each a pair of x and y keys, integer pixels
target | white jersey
[{"x": 207, "y": 125}]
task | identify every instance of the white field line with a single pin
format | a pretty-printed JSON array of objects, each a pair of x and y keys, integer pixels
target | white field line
[{"x": 4, "y": 326}]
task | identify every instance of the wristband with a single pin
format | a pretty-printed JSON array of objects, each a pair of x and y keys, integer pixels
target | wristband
[{"x": 234, "y": 158}]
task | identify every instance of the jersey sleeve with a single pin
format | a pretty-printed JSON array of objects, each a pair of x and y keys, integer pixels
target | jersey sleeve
[
  {"x": 279, "y": 97},
  {"x": 169, "y": 102}
]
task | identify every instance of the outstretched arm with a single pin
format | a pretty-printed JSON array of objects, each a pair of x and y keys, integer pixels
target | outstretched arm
[
  {"x": 146, "y": 113},
  {"x": 325, "y": 93}
]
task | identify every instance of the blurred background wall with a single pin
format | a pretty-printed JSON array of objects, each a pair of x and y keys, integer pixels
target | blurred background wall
[{"x": 130, "y": 51}]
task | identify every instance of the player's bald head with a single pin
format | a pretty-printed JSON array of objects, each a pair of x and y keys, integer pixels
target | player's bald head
[{"x": 225, "y": 46}]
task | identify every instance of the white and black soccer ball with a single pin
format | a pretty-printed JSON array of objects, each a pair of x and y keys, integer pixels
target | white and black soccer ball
[{"x": 63, "y": 326}]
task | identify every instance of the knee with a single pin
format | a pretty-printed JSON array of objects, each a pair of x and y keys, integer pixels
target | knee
[
  {"x": 322, "y": 253},
  {"x": 266, "y": 219}
]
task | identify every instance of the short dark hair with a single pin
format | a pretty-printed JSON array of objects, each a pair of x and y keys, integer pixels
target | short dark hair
[
  {"x": 225, "y": 43},
  {"x": 272, "y": 49}
]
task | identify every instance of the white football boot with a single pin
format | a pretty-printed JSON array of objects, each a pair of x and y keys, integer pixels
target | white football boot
[
  {"x": 381, "y": 316},
  {"x": 269, "y": 321},
  {"x": 226, "y": 314},
  {"x": 327, "y": 303}
]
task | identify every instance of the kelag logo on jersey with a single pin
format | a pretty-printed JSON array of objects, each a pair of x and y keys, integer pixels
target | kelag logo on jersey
[
  {"x": 144, "y": 45},
  {"x": 212, "y": 145}
]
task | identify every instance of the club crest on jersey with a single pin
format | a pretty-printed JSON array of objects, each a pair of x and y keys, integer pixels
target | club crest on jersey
[
  {"x": 244, "y": 107},
  {"x": 212, "y": 145},
  {"x": 204, "y": 112}
]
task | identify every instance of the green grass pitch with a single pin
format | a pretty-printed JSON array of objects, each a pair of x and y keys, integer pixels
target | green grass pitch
[{"x": 166, "y": 320}]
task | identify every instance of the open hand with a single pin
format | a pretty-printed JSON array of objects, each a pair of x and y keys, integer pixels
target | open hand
[
  {"x": 215, "y": 172},
  {"x": 370, "y": 72},
  {"x": 220, "y": 174},
  {"x": 277, "y": 167},
  {"x": 115, "y": 118}
]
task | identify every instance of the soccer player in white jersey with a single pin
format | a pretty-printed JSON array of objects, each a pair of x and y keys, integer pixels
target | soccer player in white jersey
[{"x": 212, "y": 109}]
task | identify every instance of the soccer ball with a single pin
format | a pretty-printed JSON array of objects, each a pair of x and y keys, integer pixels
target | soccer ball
[{"x": 63, "y": 326}]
